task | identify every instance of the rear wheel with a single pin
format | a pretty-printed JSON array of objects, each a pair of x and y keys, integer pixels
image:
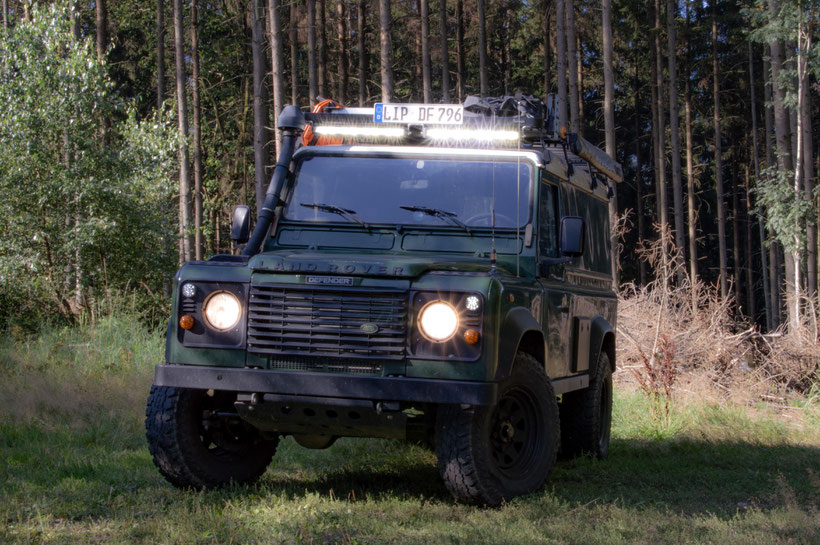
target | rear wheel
[
  {"x": 490, "y": 454},
  {"x": 198, "y": 441},
  {"x": 586, "y": 415}
]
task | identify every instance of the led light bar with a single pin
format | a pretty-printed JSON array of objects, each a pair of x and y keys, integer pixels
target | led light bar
[
  {"x": 484, "y": 135},
  {"x": 337, "y": 130}
]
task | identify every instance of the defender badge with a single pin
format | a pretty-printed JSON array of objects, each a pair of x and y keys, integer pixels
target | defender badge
[
  {"x": 369, "y": 328},
  {"x": 330, "y": 280}
]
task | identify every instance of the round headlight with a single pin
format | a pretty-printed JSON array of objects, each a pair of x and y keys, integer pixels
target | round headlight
[
  {"x": 222, "y": 310},
  {"x": 438, "y": 321}
]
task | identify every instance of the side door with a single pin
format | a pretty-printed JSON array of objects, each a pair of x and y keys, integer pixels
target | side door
[{"x": 556, "y": 299}]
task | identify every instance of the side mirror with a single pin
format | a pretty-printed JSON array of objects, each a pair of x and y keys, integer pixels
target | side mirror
[
  {"x": 241, "y": 224},
  {"x": 572, "y": 236}
]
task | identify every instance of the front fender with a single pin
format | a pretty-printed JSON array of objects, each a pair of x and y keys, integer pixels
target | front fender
[{"x": 519, "y": 327}]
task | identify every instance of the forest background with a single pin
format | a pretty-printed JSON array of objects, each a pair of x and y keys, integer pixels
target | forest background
[{"x": 132, "y": 128}]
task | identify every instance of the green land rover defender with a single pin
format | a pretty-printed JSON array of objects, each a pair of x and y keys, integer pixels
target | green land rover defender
[{"x": 434, "y": 273}]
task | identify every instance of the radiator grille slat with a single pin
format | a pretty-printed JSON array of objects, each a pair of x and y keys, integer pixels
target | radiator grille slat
[{"x": 327, "y": 322}]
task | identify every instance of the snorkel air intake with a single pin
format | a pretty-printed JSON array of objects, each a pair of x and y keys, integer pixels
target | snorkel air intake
[{"x": 291, "y": 123}]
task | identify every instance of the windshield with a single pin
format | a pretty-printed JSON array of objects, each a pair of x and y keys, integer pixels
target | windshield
[{"x": 411, "y": 191}]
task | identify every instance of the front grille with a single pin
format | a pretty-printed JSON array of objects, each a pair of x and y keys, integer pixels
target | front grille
[{"x": 318, "y": 321}]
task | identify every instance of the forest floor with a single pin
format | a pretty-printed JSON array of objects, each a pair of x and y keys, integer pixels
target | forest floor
[{"x": 74, "y": 468}]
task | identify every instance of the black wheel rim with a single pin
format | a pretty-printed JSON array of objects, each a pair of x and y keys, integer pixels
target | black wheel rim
[{"x": 516, "y": 435}]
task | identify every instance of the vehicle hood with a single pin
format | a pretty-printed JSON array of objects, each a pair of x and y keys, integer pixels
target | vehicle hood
[{"x": 388, "y": 265}]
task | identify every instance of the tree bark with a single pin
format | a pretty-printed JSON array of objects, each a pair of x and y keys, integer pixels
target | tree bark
[
  {"x": 638, "y": 174},
  {"x": 197, "y": 134},
  {"x": 747, "y": 206},
  {"x": 484, "y": 83},
  {"x": 341, "y": 30},
  {"x": 160, "y": 52},
  {"x": 293, "y": 38},
  {"x": 561, "y": 64},
  {"x": 313, "y": 77},
  {"x": 426, "y": 69},
  {"x": 102, "y": 28},
  {"x": 736, "y": 253},
  {"x": 721, "y": 211},
  {"x": 775, "y": 282},
  {"x": 660, "y": 151},
  {"x": 260, "y": 103},
  {"x": 547, "y": 48},
  {"x": 609, "y": 129},
  {"x": 73, "y": 14},
  {"x": 445, "y": 53},
  {"x": 690, "y": 168},
  {"x": 385, "y": 23},
  {"x": 461, "y": 69},
  {"x": 572, "y": 64},
  {"x": 5, "y": 8},
  {"x": 362, "y": 44},
  {"x": 182, "y": 118},
  {"x": 324, "y": 80},
  {"x": 764, "y": 268},
  {"x": 674, "y": 137},
  {"x": 277, "y": 67}
]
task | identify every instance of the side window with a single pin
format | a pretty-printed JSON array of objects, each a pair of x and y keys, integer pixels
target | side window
[{"x": 547, "y": 221}]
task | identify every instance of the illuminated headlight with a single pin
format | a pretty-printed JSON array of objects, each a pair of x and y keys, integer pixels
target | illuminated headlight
[
  {"x": 222, "y": 310},
  {"x": 438, "y": 321},
  {"x": 188, "y": 290}
]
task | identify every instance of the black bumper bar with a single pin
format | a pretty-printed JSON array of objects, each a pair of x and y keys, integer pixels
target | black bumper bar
[{"x": 324, "y": 385}]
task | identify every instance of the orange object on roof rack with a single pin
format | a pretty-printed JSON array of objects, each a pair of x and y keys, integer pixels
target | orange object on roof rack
[{"x": 309, "y": 138}]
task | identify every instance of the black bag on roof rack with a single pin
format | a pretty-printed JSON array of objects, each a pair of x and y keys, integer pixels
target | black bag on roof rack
[{"x": 531, "y": 111}]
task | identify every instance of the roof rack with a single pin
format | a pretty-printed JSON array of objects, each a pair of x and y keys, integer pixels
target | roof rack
[{"x": 518, "y": 121}]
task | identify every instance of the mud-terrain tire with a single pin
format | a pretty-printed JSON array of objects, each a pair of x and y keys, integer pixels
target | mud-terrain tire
[
  {"x": 487, "y": 455},
  {"x": 190, "y": 454},
  {"x": 586, "y": 415}
]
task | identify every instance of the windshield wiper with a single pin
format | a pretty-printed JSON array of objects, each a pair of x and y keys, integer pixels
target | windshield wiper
[
  {"x": 443, "y": 214},
  {"x": 333, "y": 209}
]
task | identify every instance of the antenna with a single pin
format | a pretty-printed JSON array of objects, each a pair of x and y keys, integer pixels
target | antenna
[{"x": 492, "y": 239}]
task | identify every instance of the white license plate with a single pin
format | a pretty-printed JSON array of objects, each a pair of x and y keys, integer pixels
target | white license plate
[{"x": 437, "y": 114}]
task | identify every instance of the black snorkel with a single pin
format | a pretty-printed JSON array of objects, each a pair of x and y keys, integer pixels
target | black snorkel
[{"x": 291, "y": 123}]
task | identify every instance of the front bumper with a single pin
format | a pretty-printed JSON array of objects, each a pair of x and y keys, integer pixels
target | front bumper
[{"x": 326, "y": 385}]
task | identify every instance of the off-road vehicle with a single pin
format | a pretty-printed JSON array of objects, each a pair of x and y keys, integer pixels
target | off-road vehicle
[{"x": 434, "y": 273}]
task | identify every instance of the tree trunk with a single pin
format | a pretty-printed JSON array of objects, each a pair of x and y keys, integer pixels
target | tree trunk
[
  {"x": 445, "y": 53},
  {"x": 313, "y": 77},
  {"x": 482, "y": 49},
  {"x": 674, "y": 137},
  {"x": 362, "y": 44},
  {"x": 609, "y": 129},
  {"x": 461, "y": 75},
  {"x": 417, "y": 90},
  {"x": 638, "y": 174},
  {"x": 547, "y": 48},
  {"x": 293, "y": 37},
  {"x": 561, "y": 64},
  {"x": 805, "y": 122},
  {"x": 426, "y": 69},
  {"x": 260, "y": 103},
  {"x": 160, "y": 52},
  {"x": 579, "y": 72},
  {"x": 660, "y": 151},
  {"x": 324, "y": 81},
  {"x": 182, "y": 117},
  {"x": 385, "y": 23},
  {"x": 572, "y": 64},
  {"x": 506, "y": 53},
  {"x": 102, "y": 28},
  {"x": 277, "y": 67},
  {"x": 690, "y": 169},
  {"x": 5, "y": 7},
  {"x": 784, "y": 160},
  {"x": 197, "y": 136},
  {"x": 341, "y": 30},
  {"x": 768, "y": 115},
  {"x": 73, "y": 15},
  {"x": 736, "y": 254},
  {"x": 756, "y": 162},
  {"x": 721, "y": 213},
  {"x": 747, "y": 221}
]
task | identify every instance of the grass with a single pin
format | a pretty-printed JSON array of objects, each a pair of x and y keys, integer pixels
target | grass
[{"x": 74, "y": 469}]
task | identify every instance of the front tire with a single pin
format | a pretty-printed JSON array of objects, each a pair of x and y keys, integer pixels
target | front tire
[
  {"x": 487, "y": 455},
  {"x": 197, "y": 441}
]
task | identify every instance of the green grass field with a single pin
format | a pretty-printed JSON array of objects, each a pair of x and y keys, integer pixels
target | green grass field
[{"x": 74, "y": 468}]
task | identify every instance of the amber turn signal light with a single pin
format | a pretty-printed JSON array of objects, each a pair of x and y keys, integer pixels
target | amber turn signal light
[
  {"x": 186, "y": 321},
  {"x": 471, "y": 336}
]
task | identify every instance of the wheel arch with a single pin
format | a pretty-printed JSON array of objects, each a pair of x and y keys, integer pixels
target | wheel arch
[
  {"x": 602, "y": 337},
  {"x": 519, "y": 331}
]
